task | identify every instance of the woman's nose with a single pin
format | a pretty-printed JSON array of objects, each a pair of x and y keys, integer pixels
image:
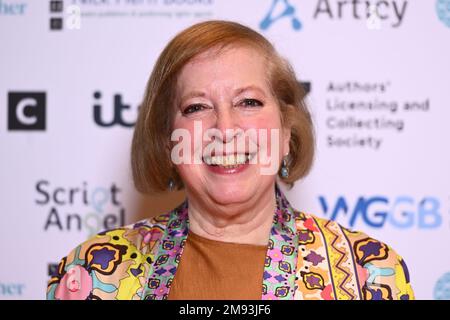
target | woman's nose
[{"x": 226, "y": 123}]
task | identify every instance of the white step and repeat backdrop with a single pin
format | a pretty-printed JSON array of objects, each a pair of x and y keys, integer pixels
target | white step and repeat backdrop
[{"x": 72, "y": 74}]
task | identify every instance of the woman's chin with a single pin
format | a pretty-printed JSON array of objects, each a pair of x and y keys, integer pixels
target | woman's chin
[
  {"x": 227, "y": 186},
  {"x": 231, "y": 192}
]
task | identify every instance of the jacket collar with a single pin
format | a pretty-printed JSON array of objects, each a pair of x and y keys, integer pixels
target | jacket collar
[{"x": 280, "y": 262}]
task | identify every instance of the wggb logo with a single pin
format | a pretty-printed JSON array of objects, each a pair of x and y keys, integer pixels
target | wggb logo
[
  {"x": 443, "y": 11},
  {"x": 26, "y": 110},
  {"x": 401, "y": 212}
]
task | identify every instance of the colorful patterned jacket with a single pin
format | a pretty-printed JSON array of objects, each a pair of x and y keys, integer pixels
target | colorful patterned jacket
[{"x": 307, "y": 258}]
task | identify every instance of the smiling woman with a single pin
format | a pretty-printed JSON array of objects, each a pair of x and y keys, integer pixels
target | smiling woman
[{"x": 237, "y": 107}]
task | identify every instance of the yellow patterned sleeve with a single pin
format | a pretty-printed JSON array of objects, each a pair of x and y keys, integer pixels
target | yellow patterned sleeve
[
  {"x": 402, "y": 281},
  {"x": 108, "y": 266},
  {"x": 383, "y": 274}
]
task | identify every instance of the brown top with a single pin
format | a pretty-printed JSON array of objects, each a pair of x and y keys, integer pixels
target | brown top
[{"x": 218, "y": 270}]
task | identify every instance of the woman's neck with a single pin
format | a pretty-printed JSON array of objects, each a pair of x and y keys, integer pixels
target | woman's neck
[{"x": 249, "y": 223}]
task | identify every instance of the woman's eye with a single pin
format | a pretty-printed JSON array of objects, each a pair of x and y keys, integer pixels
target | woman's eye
[
  {"x": 193, "y": 108},
  {"x": 251, "y": 103}
]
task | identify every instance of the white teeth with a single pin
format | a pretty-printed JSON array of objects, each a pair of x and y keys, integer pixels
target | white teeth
[
  {"x": 208, "y": 161},
  {"x": 228, "y": 160}
]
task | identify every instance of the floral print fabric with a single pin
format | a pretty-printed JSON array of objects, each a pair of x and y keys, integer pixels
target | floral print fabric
[{"x": 307, "y": 258}]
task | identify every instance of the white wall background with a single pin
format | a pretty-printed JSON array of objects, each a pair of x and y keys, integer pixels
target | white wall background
[{"x": 400, "y": 57}]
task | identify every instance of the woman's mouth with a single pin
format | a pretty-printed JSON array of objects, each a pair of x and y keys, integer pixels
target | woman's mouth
[{"x": 227, "y": 164}]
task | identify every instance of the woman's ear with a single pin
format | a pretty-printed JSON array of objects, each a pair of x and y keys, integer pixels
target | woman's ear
[
  {"x": 286, "y": 140},
  {"x": 286, "y": 136},
  {"x": 168, "y": 150}
]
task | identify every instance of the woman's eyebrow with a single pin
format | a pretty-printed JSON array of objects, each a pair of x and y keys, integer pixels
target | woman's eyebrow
[
  {"x": 193, "y": 94},
  {"x": 201, "y": 94},
  {"x": 249, "y": 88}
]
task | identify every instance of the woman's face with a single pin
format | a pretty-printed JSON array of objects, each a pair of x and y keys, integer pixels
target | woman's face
[{"x": 225, "y": 105}]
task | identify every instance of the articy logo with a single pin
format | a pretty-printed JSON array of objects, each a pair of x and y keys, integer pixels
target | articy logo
[
  {"x": 280, "y": 9},
  {"x": 443, "y": 11}
]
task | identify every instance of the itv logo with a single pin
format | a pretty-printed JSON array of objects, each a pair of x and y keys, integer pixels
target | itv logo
[{"x": 402, "y": 212}]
